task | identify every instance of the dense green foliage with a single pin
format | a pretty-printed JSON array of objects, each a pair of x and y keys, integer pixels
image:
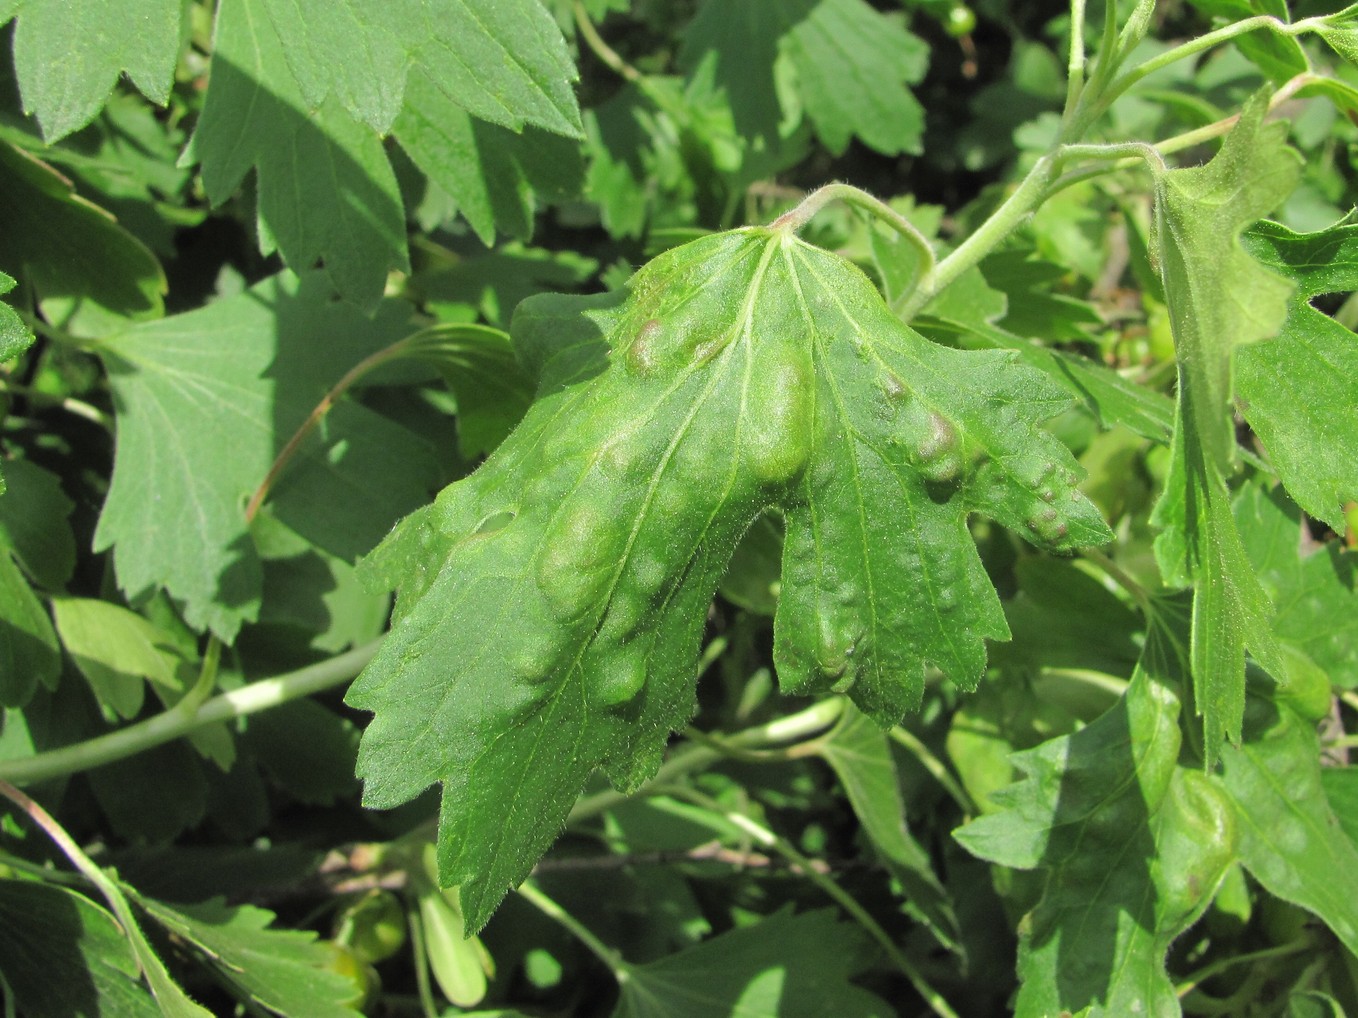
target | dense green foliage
[{"x": 407, "y": 405}]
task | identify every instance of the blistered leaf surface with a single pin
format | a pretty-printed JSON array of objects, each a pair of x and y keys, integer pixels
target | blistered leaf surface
[{"x": 552, "y": 603}]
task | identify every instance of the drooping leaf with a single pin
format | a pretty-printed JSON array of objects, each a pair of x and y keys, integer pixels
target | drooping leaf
[
  {"x": 860, "y": 754},
  {"x": 68, "y": 57},
  {"x": 63, "y": 956},
  {"x": 1298, "y": 391},
  {"x": 1133, "y": 847},
  {"x": 866, "y": 97},
  {"x": 248, "y": 369},
  {"x": 1290, "y": 839},
  {"x": 1218, "y": 298},
  {"x": 785, "y": 966},
  {"x": 284, "y": 971},
  {"x": 569, "y": 577},
  {"x": 87, "y": 274}
]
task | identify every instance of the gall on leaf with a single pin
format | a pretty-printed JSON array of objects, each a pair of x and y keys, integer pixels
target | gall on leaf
[{"x": 744, "y": 372}]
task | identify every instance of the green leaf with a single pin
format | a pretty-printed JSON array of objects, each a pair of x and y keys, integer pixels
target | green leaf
[
  {"x": 302, "y": 89},
  {"x": 1315, "y": 594},
  {"x": 34, "y": 523},
  {"x": 493, "y": 174},
  {"x": 567, "y": 581},
  {"x": 152, "y": 796},
  {"x": 306, "y": 749},
  {"x": 15, "y": 336},
  {"x": 1290, "y": 839},
  {"x": 1133, "y": 846},
  {"x": 739, "y": 42},
  {"x": 1298, "y": 391},
  {"x": 250, "y": 369},
  {"x": 28, "y": 646},
  {"x": 68, "y": 58},
  {"x": 500, "y": 60},
  {"x": 281, "y": 970},
  {"x": 62, "y": 956},
  {"x": 1218, "y": 298},
  {"x": 117, "y": 651},
  {"x": 87, "y": 273},
  {"x": 784, "y": 966},
  {"x": 858, "y": 751}
]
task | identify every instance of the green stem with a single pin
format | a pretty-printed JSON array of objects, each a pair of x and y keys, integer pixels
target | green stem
[
  {"x": 1225, "y": 964},
  {"x": 185, "y": 717},
  {"x": 796, "y": 218},
  {"x": 1190, "y": 48},
  {"x": 1121, "y": 577},
  {"x": 162, "y": 986},
  {"x": 74, "y": 406},
  {"x": 1017, "y": 207},
  {"x": 530, "y": 892},
  {"x": 420, "y": 957},
  {"x": 606, "y": 53},
  {"x": 1075, "y": 70},
  {"x": 934, "y": 766},
  {"x": 690, "y": 758},
  {"x": 846, "y": 901}
]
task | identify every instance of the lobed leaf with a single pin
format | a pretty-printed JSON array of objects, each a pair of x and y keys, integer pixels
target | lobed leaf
[
  {"x": 205, "y": 401},
  {"x": 552, "y": 603},
  {"x": 1218, "y": 298},
  {"x": 68, "y": 57},
  {"x": 1298, "y": 391}
]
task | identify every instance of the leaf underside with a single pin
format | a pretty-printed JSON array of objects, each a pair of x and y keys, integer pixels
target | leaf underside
[{"x": 569, "y": 578}]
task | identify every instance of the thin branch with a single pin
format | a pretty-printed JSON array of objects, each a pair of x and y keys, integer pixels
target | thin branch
[
  {"x": 606, "y": 53},
  {"x": 185, "y": 717}
]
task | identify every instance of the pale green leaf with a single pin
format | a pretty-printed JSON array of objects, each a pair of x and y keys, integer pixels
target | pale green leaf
[
  {"x": 116, "y": 650},
  {"x": 87, "y": 274},
  {"x": 1218, "y": 298},
  {"x": 1290, "y": 839},
  {"x": 784, "y": 966},
  {"x": 62, "y": 956},
  {"x": 205, "y": 401},
  {"x": 1133, "y": 847},
  {"x": 858, "y": 751},
  {"x": 285, "y": 971},
  {"x": 1299, "y": 391},
  {"x": 568, "y": 579},
  {"x": 69, "y": 56}
]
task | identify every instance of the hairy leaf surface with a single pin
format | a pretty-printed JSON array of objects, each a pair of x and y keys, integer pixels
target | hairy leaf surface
[
  {"x": 1218, "y": 298},
  {"x": 552, "y": 603}
]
